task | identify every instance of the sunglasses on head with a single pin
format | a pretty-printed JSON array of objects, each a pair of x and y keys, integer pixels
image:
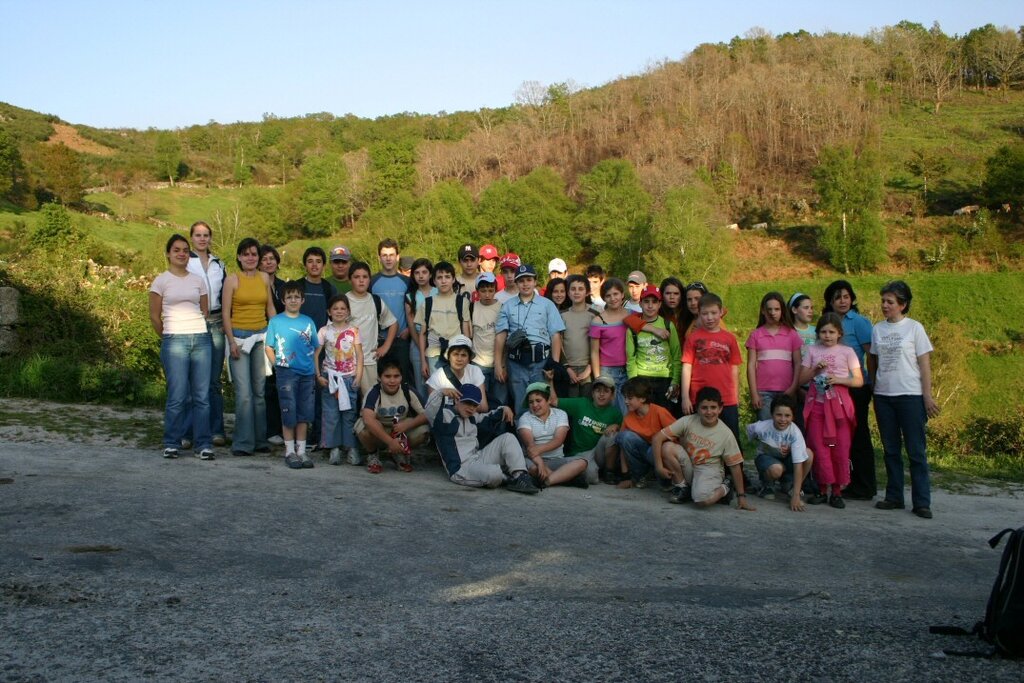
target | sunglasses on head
[{"x": 699, "y": 286}]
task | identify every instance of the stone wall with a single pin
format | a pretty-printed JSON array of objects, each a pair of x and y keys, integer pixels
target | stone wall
[{"x": 10, "y": 316}]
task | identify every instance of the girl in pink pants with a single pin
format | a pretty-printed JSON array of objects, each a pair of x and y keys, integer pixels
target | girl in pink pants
[{"x": 828, "y": 412}]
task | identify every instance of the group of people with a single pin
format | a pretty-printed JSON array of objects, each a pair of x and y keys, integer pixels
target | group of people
[{"x": 586, "y": 379}]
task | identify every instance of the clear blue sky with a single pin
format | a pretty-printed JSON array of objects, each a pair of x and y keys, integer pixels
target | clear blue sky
[{"x": 145, "y": 63}]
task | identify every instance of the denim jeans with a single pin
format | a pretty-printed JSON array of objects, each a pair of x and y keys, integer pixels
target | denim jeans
[
  {"x": 617, "y": 373},
  {"x": 418, "y": 381},
  {"x": 216, "y": 396},
  {"x": 520, "y": 375},
  {"x": 637, "y": 451},
  {"x": 338, "y": 427},
  {"x": 901, "y": 422},
  {"x": 765, "y": 412},
  {"x": 497, "y": 392},
  {"x": 186, "y": 362},
  {"x": 249, "y": 377},
  {"x": 297, "y": 397}
]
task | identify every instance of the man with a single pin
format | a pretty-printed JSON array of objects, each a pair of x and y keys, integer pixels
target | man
[
  {"x": 529, "y": 330},
  {"x": 405, "y": 265},
  {"x": 635, "y": 283},
  {"x": 557, "y": 268},
  {"x": 391, "y": 286},
  {"x": 595, "y": 276},
  {"x": 341, "y": 258},
  {"x": 470, "y": 268}
]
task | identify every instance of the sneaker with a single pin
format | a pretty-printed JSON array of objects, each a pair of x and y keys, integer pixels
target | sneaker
[
  {"x": 727, "y": 498},
  {"x": 767, "y": 491},
  {"x": 307, "y": 462},
  {"x": 373, "y": 465},
  {"x": 522, "y": 484},
  {"x": 219, "y": 440},
  {"x": 273, "y": 440},
  {"x": 837, "y": 502},
  {"x": 263, "y": 449},
  {"x": 644, "y": 481},
  {"x": 886, "y": 504},
  {"x": 680, "y": 494},
  {"x": 170, "y": 453},
  {"x": 666, "y": 485},
  {"x": 355, "y": 457},
  {"x": 186, "y": 444},
  {"x": 205, "y": 454},
  {"x": 817, "y": 499},
  {"x": 293, "y": 461},
  {"x": 335, "y": 456},
  {"x": 241, "y": 454},
  {"x": 403, "y": 462},
  {"x": 923, "y": 513}
]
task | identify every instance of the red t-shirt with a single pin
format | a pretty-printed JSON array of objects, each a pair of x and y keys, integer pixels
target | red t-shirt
[
  {"x": 656, "y": 419},
  {"x": 712, "y": 355}
]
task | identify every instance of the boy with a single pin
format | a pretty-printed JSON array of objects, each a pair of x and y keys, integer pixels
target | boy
[
  {"x": 695, "y": 465},
  {"x": 509, "y": 264},
  {"x": 643, "y": 421},
  {"x": 543, "y": 431},
  {"x": 291, "y": 343},
  {"x": 595, "y": 277},
  {"x": 470, "y": 264},
  {"x": 593, "y": 423},
  {"x": 391, "y": 286},
  {"x": 479, "y": 319},
  {"x": 489, "y": 264},
  {"x": 370, "y": 315},
  {"x": 648, "y": 355},
  {"x": 711, "y": 358},
  {"x": 391, "y": 411},
  {"x": 316, "y": 292},
  {"x": 781, "y": 452},
  {"x": 476, "y": 448},
  {"x": 635, "y": 283}
]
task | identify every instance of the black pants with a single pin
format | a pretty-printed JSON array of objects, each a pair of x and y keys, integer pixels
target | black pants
[
  {"x": 862, "y": 453},
  {"x": 273, "y": 406},
  {"x": 399, "y": 352}
]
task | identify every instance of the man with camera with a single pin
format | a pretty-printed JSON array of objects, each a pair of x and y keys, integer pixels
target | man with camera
[{"x": 528, "y": 332}]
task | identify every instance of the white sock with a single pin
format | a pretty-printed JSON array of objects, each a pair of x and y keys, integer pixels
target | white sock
[
  {"x": 302, "y": 446},
  {"x": 289, "y": 448}
]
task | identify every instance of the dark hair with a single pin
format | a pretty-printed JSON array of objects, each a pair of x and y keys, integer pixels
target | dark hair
[
  {"x": 783, "y": 401},
  {"x": 410, "y": 292},
  {"x": 708, "y": 394},
  {"x": 686, "y": 317},
  {"x": 386, "y": 364},
  {"x": 358, "y": 265},
  {"x": 339, "y": 297},
  {"x": 787, "y": 317},
  {"x": 551, "y": 287},
  {"x": 244, "y": 246},
  {"x": 709, "y": 300},
  {"x": 267, "y": 249},
  {"x": 204, "y": 224},
  {"x": 900, "y": 290},
  {"x": 637, "y": 387},
  {"x": 314, "y": 251},
  {"x": 833, "y": 289},
  {"x": 386, "y": 243},
  {"x": 831, "y": 318},
  {"x": 293, "y": 286},
  {"x": 594, "y": 270},
  {"x": 612, "y": 282},
  {"x": 176, "y": 238},
  {"x": 795, "y": 300},
  {"x": 582, "y": 280},
  {"x": 666, "y": 312},
  {"x": 444, "y": 267}
]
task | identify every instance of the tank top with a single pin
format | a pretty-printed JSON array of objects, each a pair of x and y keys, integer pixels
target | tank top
[{"x": 249, "y": 305}]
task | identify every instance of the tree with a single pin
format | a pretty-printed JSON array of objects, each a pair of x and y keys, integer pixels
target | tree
[
  {"x": 262, "y": 216},
  {"x": 168, "y": 156},
  {"x": 940, "y": 63},
  {"x": 1003, "y": 57},
  {"x": 1004, "y": 176},
  {"x": 929, "y": 167},
  {"x": 323, "y": 195},
  {"x": 63, "y": 173},
  {"x": 685, "y": 241},
  {"x": 54, "y": 230},
  {"x": 850, "y": 190},
  {"x": 392, "y": 170},
  {"x": 11, "y": 166},
  {"x": 615, "y": 214}
]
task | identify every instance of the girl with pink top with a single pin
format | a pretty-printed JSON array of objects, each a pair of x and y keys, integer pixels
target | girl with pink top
[
  {"x": 773, "y": 356},
  {"x": 829, "y": 412},
  {"x": 608, "y": 338}
]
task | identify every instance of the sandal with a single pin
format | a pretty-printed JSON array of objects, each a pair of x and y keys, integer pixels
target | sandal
[{"x": 403, "y": 463}]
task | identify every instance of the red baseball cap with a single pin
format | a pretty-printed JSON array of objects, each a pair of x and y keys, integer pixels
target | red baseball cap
[
  {"x": 652, "y": 291},
  {"x": 488, "y": 251},
  {"x": 510, "y": 260}
]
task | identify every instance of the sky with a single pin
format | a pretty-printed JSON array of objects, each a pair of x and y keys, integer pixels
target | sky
[{"x": 143, "y": 63}]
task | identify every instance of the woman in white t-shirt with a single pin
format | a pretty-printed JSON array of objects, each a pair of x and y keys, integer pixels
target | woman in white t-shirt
[
  {"x": 178, "y": 305},
  {"x": 903, "y": 398}
]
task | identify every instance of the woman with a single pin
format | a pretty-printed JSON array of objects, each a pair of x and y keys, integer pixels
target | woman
[
  {"x": 903, "y": 398},
  {"x": 270, "y": 261},
  {"x": 840, "y": 298},
  {"x": 178, "y": 305},
  {"x": 211, "y": 270},
  {"x": 248, "y": 306}
]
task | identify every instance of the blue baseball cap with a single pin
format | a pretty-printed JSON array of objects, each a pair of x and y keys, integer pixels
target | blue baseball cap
[
  {"x": 526, "y": 270},
  {"x": 471, "y": 394}
]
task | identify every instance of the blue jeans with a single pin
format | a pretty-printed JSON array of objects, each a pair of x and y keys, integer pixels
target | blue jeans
[
  {"x": 186, "y": 362},
  {"x": 297, "y": 397},
  {"x": 248, "y": 377},
  {"x": 637, "y": 451},
  {"x": 338, "y": 427},
  {"x": 765, "y": 413},
  {"x": 497, "y": 392},
  {"x": 901, "y": 422},
  {"x": 418, "y": 381},
  {"x": 617, "y": 373},
  {"x": 520, "y": 375},
  {"x": 216, "y": 397}
]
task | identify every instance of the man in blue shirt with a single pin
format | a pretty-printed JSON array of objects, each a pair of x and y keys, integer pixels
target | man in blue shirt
[
  {"x": 529, "y": 332},
  {"x": 391, "y": 286}
]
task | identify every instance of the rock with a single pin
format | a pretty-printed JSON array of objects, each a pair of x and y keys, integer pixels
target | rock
[{"x": 10, "y": 306}]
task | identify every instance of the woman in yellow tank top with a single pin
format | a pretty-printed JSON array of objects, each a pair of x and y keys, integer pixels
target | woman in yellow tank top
[{"x": 248, "y": 305}]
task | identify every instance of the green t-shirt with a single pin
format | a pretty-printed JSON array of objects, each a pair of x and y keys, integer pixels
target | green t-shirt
[
  {"x": 340, "y": 286},
  {"x": 587, "y": 422}
]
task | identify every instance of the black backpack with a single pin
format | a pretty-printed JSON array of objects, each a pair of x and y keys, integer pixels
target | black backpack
[{"x": 1003, "y": 626}]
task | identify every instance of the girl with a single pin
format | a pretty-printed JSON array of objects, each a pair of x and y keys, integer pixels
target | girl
[
  {"x": 903, "y": 398},
  {"x": 840, "y": 298},
  {"x": 556, "y": 291},
  {"x": 211, "y": 269},
  {"x": 341, "y": 371},
  {"x": 420, "y": 287},
  {"x": 829, "y": 411},
  {"x": 801, "y": 306},
  {"x": 672, "y": 307},
  {"x": 178, "y": 305},
  {"x": 543, "y": 431},
  {"x": 691, "y": 314},
  {"x": 248, "y": 306},
  {"x": 270, "y": 261},
  {"x": 608, "y": 338},
  {"x": 773, "y": 356},
  {"x": 438, "y": 319},
  {"x": 576, "y": 339}
]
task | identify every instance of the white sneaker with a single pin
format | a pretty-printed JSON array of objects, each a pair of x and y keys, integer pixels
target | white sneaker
[
  {"x": 276, "y": 440},
  {"x": 170, "y": 453},
  {"x": 354, "y": 457},
  {"x": 205, "y": 454},
  {"x": 335, "y": 456}
]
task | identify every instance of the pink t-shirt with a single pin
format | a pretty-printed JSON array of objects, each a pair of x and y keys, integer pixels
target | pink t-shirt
[
  {"x": 339, "y": 348},
  {"x": 612, "y": 340},
  {"x": 774, "y": 353},
  {"x": 842, "y": 360}
]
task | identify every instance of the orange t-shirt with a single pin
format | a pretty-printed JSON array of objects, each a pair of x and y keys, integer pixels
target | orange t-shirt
[{"x": 656, "y": 419}]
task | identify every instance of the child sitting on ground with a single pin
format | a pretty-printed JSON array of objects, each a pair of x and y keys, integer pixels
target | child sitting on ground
[
  {"x": 543, "y": 430},
  {"x": 705, "y": 443},
  {"x": 392, "y": 421},
  {"x": 782, "y": 455},
  {"x": 593, "y": 423},
  {"x": 642, "y": 422}
]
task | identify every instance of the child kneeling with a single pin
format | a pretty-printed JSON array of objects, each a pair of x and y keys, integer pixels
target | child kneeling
[
  {"x": 782, "y": 454},
  {"x": 392, "y": 420},
  {"x": 697, "y": 462}
]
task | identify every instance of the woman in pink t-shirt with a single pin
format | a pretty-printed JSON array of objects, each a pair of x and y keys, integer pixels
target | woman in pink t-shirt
[
  {"x": 773, "y": 356},
  {"x": 829, "y": 412}
]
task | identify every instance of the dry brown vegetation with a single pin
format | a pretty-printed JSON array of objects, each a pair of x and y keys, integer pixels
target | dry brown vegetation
[{"x": 68, "y": 136}]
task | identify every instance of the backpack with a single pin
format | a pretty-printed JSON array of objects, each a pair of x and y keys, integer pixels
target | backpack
[
  {"x": 1003, "y": 626},
  {"x": 428, "y": 305}
]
